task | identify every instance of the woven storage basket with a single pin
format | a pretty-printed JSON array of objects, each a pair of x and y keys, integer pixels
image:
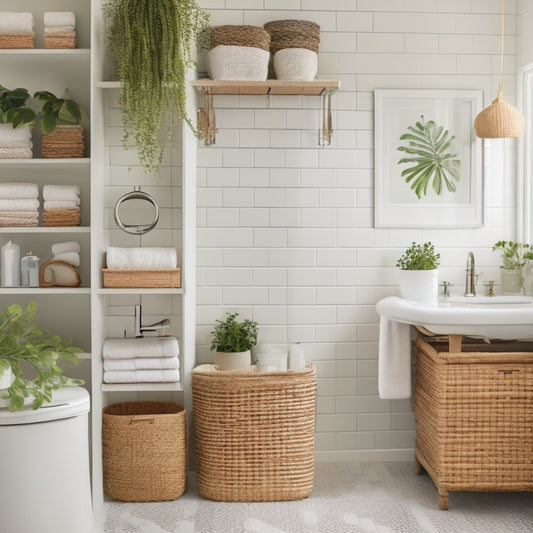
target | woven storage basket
[
  {"x": 64, "y": 141},
  {"x": 240, "y": 35},
  {"x": 296, "y": 64},
  {"x": 64, "y": 40},
  {"x": 474, "y": 417},
  {"x": 144, "y": 451},
  {"x": 164, "y": 278},
  {"x": 246, "y": 63},
  {"x": 254, "y": 434},
  {"x": 293, "y": 34},
  {"x": 17, "y": 41}
]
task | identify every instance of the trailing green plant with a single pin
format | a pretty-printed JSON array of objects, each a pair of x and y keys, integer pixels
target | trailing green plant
[
  {"x": 514, "y": 254},
  {"x": 24, "y": 347},
  {"x": 152, "y": 45},
  {"x": 56, "y": 111},
  {"x": 433, "y": 158},
  {"x": 231, "y": 336},
  {"x": 13, "y": 109},
  {"x": 419, "y": 257}
]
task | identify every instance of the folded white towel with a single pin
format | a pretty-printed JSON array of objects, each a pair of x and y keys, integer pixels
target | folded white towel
[
  {"x": 50, "y": 30},
  {"x": 19, "y": 204},
  {"x": 142, "y": 257},
  {"x": 60, "y": 204},
  {"x": 394, "y": 365},
  {"x": 142, "y": 376},
  {"x": 19, "y": 190},
  {"x": 16, "y": 23},
  {"x": 142, "y": 363},
  {"x": 15, "y": 152},
  {"x": 63, "y": 247},
  {"x": 59, "y": 18},
  {"x": 13, "y": 137},
  {"x": 70, "y": 193},
  {"x": 72, "y": 258},
  {"x": 143, "y": 347}
]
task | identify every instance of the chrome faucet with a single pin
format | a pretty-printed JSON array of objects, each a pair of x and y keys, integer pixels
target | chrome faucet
[
  {"x": 157, "y": 326},
  {"x": 470, "y": 285}
]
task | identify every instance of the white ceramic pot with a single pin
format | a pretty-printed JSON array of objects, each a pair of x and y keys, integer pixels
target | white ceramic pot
[
  {"x": 233, "y": 360},
  {"x": 419, "y": 284},
  {"x": 511, "y": 280}
]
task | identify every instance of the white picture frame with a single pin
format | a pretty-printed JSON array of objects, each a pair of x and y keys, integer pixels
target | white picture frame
[{"x": 396, "y": 204}]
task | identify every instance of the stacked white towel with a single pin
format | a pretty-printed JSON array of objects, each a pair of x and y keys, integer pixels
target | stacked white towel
[
  {"x": 16, "y": 23},
  {"x": 59, "y": 29},
  {"x": 19, "y": 204},
  {"x": 144, "y": 360},
  {"x": 68, "y": 252},
  {"x": 15, "y": 143},
  {"x": 142, "y": 258},
  {"x": 61, "y": 205}
]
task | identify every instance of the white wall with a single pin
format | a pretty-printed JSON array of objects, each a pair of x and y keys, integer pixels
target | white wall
[
  {"x": 525, "y": 35},
  {"x": 286, "y": 231}
]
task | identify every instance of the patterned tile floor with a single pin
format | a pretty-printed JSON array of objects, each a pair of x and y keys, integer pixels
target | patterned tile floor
[{"x": 354, "y": 497}]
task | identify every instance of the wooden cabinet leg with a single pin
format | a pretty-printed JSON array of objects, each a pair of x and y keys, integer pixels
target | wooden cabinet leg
[
  {"x": 418, "y": 468},
  {"x": 444, "y": 499}
]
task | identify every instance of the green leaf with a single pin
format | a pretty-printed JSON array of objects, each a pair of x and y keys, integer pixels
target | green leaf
[{"x": 48, "y": 123}]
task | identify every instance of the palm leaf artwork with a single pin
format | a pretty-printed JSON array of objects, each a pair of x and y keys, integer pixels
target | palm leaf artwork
[{"x": 433, "y": 158}]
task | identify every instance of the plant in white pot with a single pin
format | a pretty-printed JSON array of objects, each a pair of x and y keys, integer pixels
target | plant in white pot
[
  {"x": 419, "y": 278},
  {"x": 233, "y": 341},
  {"x": 514, "y": 256},
  {"x": 29, "y": 359}
]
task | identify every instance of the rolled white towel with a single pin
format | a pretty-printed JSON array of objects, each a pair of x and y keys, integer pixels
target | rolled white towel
[
  {"x": 19, "y": 190},
  {"x": 143, "y": 347},
  {"x": 59, "y": 18},
  {"x": 69, "y": 193},
  {"x": 63, "y": 247},
  {"x": 50, "y": 30},
  {"x": 16, "y": 23},
  {"x": 15, "y": 137},
  {"x": 16, "y": 152},
  {"x": 148, "y": 258},
  {"x": 19, "y": 204},
  {"x": 142, "y": 376},
  {"x": 142, "y": 363},
  {"x": 61, "y": 204},
  {"x": 72, "y": 258}
]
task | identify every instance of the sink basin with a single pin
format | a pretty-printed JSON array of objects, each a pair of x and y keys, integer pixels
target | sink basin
[{"x": 497, "y": 317}]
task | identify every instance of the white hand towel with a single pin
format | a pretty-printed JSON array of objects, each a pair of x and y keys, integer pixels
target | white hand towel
[
  {"x": 16, "y": 23},
  {"x": 19, "y": 190},
  {"x": 50, "y": 30},
  {"x": 60, "y": 204},
  {"x": 19, "y": 204},
  {"x": 142, "y": 347},
  {"x": 59, "y": 18},
  {"x": 147, "y": 258},
  {"x": 63, "y": 247},
  {"x": 16, "y": 152},
  {"x": 394, "y": 370},
  {"x": 142, "y": 376},
  {"x": 72, "y": 258},
  {"x": 70, "y": 193},
  {"x": 15, "y": 137},
  {"x": 142, "y": 363}
]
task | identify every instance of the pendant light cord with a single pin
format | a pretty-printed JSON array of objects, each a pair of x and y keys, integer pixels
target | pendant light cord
[{"x": 501, "y": 48}]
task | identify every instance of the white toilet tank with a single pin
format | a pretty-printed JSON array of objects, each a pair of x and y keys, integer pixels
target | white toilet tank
[{"x": 44, "y": 466}]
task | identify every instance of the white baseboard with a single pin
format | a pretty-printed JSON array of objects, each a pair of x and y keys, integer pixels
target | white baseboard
[{"x": 400, "y": 455}]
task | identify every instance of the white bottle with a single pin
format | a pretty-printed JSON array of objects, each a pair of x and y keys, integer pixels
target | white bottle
[
  {"x": 10, "y": 264},
  {"x": 29, "y": 270}
]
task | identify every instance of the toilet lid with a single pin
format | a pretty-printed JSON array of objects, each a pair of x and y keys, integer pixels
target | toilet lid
[{"x": 66, "y": 402}]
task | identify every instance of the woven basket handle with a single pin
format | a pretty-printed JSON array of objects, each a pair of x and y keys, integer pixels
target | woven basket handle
[{"x": 142, "y": 418}]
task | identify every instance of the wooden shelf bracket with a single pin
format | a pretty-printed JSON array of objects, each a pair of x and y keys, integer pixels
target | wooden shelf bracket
[{"x": 206, "y": 117}]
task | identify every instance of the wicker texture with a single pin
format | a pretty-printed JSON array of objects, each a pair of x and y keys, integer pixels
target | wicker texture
[
  {"x": 227, "y": 62},
  {"x": 17, "y": 41},
  {"x": 144, "y": 451},
  {"x": 65, "y": 39},
  {"x": 296, "y": 64},
  {"x": 240, "y": 35},
  {"x": 64, "y": 141},
  {"x": 254, "y": 434},
  {"x": 474, "y": 415},
  {"x": 293, "y": 34},
  {"x": 499, "y": 120},
  {"x": 47, "y": 274},
  {"x": 61, "y": 217},
  {"x": 136, "y": 278}
]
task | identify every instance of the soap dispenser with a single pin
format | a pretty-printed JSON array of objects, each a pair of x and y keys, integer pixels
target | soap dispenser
[
  {"x": 29, "y": 270},
  {"x": 10, "y": 264}
]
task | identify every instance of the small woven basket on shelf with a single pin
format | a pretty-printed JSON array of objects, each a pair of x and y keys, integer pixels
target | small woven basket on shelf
[
  {"x": 64, "y": 142},
  {"x": 63, "y": 40},
  {"x": 144, "y": 451},
  {"x": 17, "y": 41},
  {"x": 293, "y": 34},
  {"x": 254, "y": 433},
  {"x": 240, "y": 35},
  {"x": 164, "y": 278}
]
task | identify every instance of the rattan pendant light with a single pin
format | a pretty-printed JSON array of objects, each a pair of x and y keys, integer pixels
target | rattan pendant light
[{"x": 499, "y": 119}]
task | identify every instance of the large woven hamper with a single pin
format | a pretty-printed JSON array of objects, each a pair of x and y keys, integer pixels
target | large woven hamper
[
  {"x": 474, "y": 417},
  {"x": 254, "y": 434},
  {"x": 144, "y": 451}
]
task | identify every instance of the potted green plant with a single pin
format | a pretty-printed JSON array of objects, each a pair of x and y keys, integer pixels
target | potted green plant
[
  {"x": 152, "y": 45},
  {"x": 232, "y": 342},
  {"x": 63, "y": 135},
  {"x": 514, "y": 256},
  {"x": 29, "y": 357},
  {"x": 419, "y": 272}
]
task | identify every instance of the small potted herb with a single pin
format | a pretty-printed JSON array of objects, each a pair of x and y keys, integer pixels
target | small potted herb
[
  {"x": 419, "y": 272},
  {"x": 232, "y": 342},
  {"x": 514, "y": 256},
  {"x": 26, "y": 349}
]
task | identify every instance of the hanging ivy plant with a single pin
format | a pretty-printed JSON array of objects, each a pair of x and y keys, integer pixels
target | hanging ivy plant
[
  {"x": 434, "y": 158},
  {"x": 151, "y": 42}
]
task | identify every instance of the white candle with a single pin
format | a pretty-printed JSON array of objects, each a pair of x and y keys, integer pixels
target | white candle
[{"x": 10, "y": 264}]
